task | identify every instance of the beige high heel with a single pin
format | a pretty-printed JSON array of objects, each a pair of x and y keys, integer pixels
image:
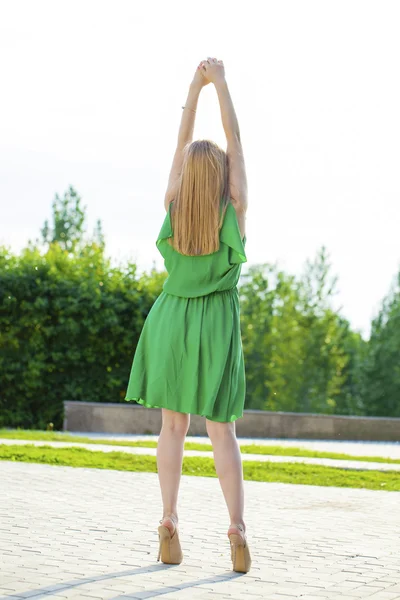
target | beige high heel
[
  {"x": 170, "y": 550},
  {"x": 240, "y": 553}
]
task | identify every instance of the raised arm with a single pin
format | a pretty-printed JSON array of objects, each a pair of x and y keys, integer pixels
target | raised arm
[
  {"x": 214, "y": 71},
  {"x": 185, "y": 134}
]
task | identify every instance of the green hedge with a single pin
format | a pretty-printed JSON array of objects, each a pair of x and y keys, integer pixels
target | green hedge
[{"x": 69, "y": 325}]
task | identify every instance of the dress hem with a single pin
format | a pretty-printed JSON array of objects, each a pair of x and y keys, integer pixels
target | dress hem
[{"x": 209, "y": 417}]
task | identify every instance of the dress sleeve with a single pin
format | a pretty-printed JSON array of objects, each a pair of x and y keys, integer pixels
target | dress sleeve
[
  {"x": 230, "y": 235},
  {"x": 165, "y": 232}
]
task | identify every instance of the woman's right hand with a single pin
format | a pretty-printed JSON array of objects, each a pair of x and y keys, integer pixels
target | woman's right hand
[{"x": 213, "y": 70}]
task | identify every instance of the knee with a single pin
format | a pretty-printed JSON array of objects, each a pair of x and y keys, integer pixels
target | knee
[
  {"x": 176, "y": 423},
  {"x": 217, "y": 431}
]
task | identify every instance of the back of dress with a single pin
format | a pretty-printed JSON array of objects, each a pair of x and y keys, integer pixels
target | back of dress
[
  {"x": 194, "y": 276},
  {"x": 189, "y": 357}
]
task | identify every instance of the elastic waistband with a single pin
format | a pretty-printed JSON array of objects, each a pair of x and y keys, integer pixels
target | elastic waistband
[{"x": 230, "y": 292}]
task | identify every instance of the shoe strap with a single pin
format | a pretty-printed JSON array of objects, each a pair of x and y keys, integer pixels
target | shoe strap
[
  {"x": 240, "y": 527},
  {"x": 172, "y": 518},
  {"x": 237, "y": 526}
]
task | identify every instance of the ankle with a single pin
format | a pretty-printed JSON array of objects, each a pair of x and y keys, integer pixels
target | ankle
[
  {"x": 170, "y": 521},
  {"x": 238, "y": 525},
  {"x": 172, "y": 515}
]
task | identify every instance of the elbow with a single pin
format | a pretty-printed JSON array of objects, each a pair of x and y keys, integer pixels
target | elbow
[{"x": 234, "y": 138}]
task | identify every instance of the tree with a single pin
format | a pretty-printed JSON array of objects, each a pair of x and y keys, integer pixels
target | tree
[
  {"x": 68, "y": 224},
  {"x": 324, "y": 358},
  {"x": 300, "y": 354},
  {"x": 381, "y": 374},
  {"x": 271, "y": 343}
]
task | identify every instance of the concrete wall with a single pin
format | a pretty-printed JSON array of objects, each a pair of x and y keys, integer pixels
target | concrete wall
[{"x": 103, "y": 417}]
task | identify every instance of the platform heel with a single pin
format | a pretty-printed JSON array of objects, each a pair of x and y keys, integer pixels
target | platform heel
[
  {"x": 170, "y": 551},
  {"x": 240, "y": 553}
]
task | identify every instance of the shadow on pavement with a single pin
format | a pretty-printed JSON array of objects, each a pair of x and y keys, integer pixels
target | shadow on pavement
[{"x": 59, "y": 587}]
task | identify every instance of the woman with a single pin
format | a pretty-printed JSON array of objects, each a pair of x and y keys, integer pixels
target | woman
[{"x": 189, "y": 358}]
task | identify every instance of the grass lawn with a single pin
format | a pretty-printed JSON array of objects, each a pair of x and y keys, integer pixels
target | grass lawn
[
  {"x": 55, "y": 436},
  {"x": 295, "y": 473}
]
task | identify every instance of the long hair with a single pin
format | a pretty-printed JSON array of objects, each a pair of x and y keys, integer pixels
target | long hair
[{"x": 201, "y": 200}]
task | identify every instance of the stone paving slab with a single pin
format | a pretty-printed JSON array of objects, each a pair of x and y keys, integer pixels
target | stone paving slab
[
  {"x": 327, "y": 462},
  {"x": 84, "y": 533}
]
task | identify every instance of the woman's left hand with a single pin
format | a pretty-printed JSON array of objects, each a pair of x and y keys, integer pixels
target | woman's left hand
[{"x": 199, "y": 78}]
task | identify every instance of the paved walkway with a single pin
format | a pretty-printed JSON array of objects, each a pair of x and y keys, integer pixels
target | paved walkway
[
  {"x": 90, "y": 533},
  {"x": 328, "y": 462}
]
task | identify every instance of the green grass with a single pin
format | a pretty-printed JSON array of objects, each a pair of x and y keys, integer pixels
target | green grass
[
  {"x": 50, "y": 436},
  {"x": 55, "y": 436},
  {"x": 295, "y": 473},
  {"x": 288, "y": 451}
]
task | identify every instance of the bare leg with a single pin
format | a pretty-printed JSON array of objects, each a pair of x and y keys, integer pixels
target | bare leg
[
  {"x": 169, "y": 461},
  {"x": 228, "y": 464}
]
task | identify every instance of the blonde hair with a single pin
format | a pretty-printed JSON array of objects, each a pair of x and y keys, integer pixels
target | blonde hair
[{"x": 201, "y": 200}]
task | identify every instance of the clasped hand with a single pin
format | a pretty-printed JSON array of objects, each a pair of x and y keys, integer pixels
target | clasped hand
[{"x": 209, "y": 71}]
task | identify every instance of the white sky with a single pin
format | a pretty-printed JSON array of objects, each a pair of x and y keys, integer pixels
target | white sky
[{"x": 91, "y": 95}]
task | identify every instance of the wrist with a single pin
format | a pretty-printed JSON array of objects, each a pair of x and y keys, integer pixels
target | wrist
[
  {"x": 220, "y": 83},
  {"x": 195, "y": 86}
]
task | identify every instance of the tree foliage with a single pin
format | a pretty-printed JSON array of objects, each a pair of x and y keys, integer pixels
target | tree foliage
[
  {"x": 68, "y": 223},
  {"x": 301, "y": 355},
  {"x": 381, "y": 373},
  {"x": 70, "y": 323}
]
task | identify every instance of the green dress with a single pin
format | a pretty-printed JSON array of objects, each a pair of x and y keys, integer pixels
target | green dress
[{"x": 189, "y": 357}]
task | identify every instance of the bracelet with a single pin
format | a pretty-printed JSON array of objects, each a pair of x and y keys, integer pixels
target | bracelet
[{"x": 189, "y": 108}]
